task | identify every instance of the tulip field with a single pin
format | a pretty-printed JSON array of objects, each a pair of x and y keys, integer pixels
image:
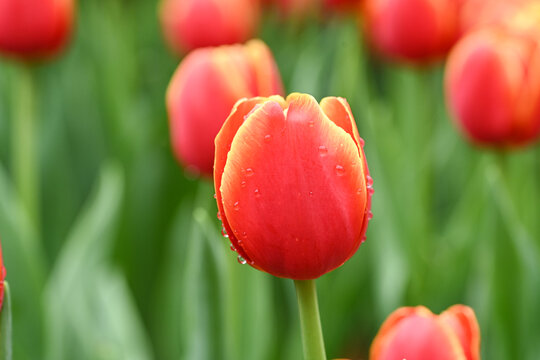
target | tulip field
[{"x": 324, "y": 191}]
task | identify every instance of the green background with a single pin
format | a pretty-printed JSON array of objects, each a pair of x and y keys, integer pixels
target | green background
[{"x": 126, "y": 260}]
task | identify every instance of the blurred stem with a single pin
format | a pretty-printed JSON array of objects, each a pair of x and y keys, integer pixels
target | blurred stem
[
  {"x": 24, "y": 141},
  {"x": 312, "y": 337}
]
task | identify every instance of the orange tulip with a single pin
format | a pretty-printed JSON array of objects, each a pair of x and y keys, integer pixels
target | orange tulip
[
  {"x": 203, "y": 90},
  {"x": 492, "y": 83},
  {"x": 191, "y": 24},
  {"x": 479, "y": 13},
  {"x": 415, "y": 333},
  {"x": 412, "y": 30},
  {"x": 292, "y": 184},
  {"x": 34, "y": 29}
]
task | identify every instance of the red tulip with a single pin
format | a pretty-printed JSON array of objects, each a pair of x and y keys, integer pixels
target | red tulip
[
  {"x": 492, "y": 85},
  {"x": 412, "y": 30},
  {"x": 292, "y": 184},
  {"x": 415, "y": 333},
  {"x": 191, "y": 24},
  {"x": 298, "y": 8},
  {"x": 203, "y": 90},
  {"x": 34, "y": 29}
]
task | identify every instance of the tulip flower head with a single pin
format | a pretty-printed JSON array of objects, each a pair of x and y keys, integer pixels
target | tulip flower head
[
  {"x": 292, "y": 184},
  {"x": 415, "y": 333},
  {"x": 34, "y": 29},
  {"x": 191, "y": 24},
  {"x": 203, "y": 90},
  {"x": 492, "y": 85},
  {"x": 412, "y": 30}
]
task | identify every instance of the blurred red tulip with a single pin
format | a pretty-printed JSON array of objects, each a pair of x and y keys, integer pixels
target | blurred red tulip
[
  {"x": 298, "y": 8},
  {"x": 343, "y": 5},
  {"x": 2, "y": 277},
  {"x": 492, "y": 85},
  {"x": 203, "y": 90},
  {"x": 191, "y": 24},
  {"x": 412, "y": 30},
  {"x": 34, "y": 29},
  {"x": 415, "y": 333},
  {"x": 292, "y": 184}
]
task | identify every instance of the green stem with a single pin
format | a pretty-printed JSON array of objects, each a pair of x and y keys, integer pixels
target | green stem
[
  {"x": 24, "y": 142},
  {"x": 312, "y": 337}
]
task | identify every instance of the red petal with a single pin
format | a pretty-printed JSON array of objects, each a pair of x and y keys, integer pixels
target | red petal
[
  {"x": 223, "y": 145},
  {"x": 266, "y": 73},
  {"x": 294, "y": 190},
  {"x": 462, "y": 320}
]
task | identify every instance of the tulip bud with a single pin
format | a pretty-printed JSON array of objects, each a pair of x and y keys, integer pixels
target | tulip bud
[
  {"x": 292, "y": 184},
  {"x": 34, "y": 29},
  {"x": 492, "y": 85},
  {"x": 412, "y": 30},
  {"x": 191, "y": 24},
  {"x": 416, "y": 333},
  {"x": 203, "y": 90}
]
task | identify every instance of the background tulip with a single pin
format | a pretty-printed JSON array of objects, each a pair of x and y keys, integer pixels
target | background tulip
[
  {"x": 191, "y": 24},
  {"x": 292, "y": 184},
  {"x": 204, "y": 89},
  {"x": 413, "y": 30},
  {"x": 492, "y": 85},
  {"x": 416, "y": 333},
  {"x": 34, "y": 29}
]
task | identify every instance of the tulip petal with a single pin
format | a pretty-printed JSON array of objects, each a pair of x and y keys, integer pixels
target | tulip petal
[
  {"x": 265, "y": 69},
  {"x": 415, "y": 333},
  {"x": 223, "y": 145},
  {"x": 276, "y": 185},
  {"x": 462, "y": 321}
]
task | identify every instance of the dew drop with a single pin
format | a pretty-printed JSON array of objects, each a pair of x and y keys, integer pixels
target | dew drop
[
  {"x": 369, "y": 180},
  {"x": 215, "y": 196},
  {"x": 311, "y": 123},
  {"x": 219, "y": 215},
  {"x": 236, "y": 205},
  {"x": 362, "y": 142},
  {"x": 311, "y": 193},
  {"x": 363, "y": 239},
  {"x": 359, "y": 191},
  {"x": 257, "y": 193},
  {"x": 224, "y": 232},
  {"x": 369, "y": 215},
  {"x": 249, "y": 172},
  {"x": 233, "y": 248},
  {"x": 243, "y": 184},
  {"x": 267, "y": 138},
  {"x": 370, "y": 190},
  {"x": 323, "y": 150},
  {"x": 241, "y": 260},
  {"x": 340, "y": 170}
]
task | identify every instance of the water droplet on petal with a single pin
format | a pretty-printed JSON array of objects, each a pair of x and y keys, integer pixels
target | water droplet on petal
[
  {"x": 236, "y": 205},
  {"x": 224, "y": 232},
  {"x": 362, "y": 142},
  {"x": 249, "y": 172},
  {"x": 257, "y": 193},
  {"x": 340, "y": 170},
  {"x": 219, "y": 215},
  {"x": 243, "y": 184},
  {"x": 323, "y": 150},
  {"x": 363, "y": 239},
  {"x": 311, "y": 123},
  {"x": 215, "y": 196},
  {"x": 233, "y": 248},
  {"x": 359, "y": 191},
  {"x": 311, "y": 193},
  {"x": 369, "y": 215},
  {"x": 267, "y": 138},
  {"x": 369, "y": 180},
  {"x": 241, "y": 260}
]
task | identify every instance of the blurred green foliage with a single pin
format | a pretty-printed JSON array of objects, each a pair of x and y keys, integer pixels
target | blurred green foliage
[{"x": 128, "y": 262}]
